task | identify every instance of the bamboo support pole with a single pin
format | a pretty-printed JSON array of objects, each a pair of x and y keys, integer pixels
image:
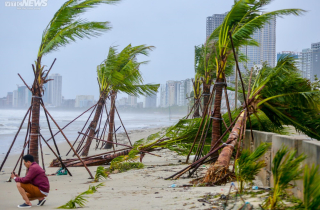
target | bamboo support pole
[
  {"x": 25, "y": 140},
  {"x": 24, "y": 83},
  {"x": 68, "y": 141},
  {"x": 123, "y": 125},
  {"x": 203, "y": 117},
  {"x": 20, "y": 157},
  {"x": 73, "y": 120},
  {"x": 50, "y": 68},
  {"x": 58, "y": 157},
  {"x": 41, "y": 154},
  {"x": 79, "y": 147},
  {"x": 244, "y": 93},
  {"x": 200, "y": 161},
  {"x": 125, "y": 146},
  {"x": 14, "y": 140}
]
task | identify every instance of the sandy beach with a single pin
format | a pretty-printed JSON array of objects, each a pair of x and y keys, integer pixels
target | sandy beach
[{"x": 134, "y": 189}]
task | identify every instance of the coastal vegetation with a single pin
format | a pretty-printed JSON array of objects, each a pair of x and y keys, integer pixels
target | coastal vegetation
[
  {"x": 249, "y": 164},
  {"x": 286, "y": 167}
]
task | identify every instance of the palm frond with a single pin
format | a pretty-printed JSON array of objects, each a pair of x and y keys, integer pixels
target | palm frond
[
  {"x": 120, "y": 71},
  {"x": 79, "y": 200},
  {"x": 65, "y": 26},
  {"x": 101, "y": 174},
  {"x": 311, "y": 188},
  {"x": 285, "y": 169},
  {"x": 248, "y": 165}
]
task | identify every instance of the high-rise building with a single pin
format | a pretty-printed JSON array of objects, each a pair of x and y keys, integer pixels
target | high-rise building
[
  {"x": 84, "y": 100},
  {"x": 309, "y": 61},
  {"x": 9, "y": 99},
  {"x": 182, "y": 94},
  {"x": 175, "y": 93},
  {"x": 315, "y": 63},
  {"x": 213, "y": 22},
  {"x": 163, "y": 96},
  {"x": 55, "y": 90},
  {"x": 266, "y": 51},
  {"x": 150, "y": 101},
  {"x": 132, "y": 101},
  {"x": 28, "y": 98},
  {"x": 45, "y": 96},
  {"x": 15, "y": 98},
  {"x": 266, "y": 37},
  {"x": 171, "y": 94},
  {"x": 22, "y": 96}
]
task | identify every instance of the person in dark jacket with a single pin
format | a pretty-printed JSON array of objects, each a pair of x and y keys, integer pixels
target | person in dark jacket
[{"x": 35, "y": 185}]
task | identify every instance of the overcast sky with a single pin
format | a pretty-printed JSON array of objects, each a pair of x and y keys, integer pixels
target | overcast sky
[{"x": 174, "y": 27}]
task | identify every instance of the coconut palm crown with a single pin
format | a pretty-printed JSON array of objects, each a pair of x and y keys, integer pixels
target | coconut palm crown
[{"x": 119, "y": 73}]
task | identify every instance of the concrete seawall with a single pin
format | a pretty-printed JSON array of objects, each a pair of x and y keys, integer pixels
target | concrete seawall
[{"x": 303, "y": 145}]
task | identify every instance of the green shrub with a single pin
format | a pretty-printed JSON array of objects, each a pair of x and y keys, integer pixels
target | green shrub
[
  {"x": 285, "y": 168},
  {"x": 248, "y": 165}
]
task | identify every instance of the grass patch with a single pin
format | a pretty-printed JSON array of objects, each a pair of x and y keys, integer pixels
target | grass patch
[{"x": 126, "y": 166}]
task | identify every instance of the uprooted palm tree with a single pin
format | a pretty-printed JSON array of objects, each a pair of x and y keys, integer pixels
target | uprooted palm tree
[
  {"x": 119, "y": 73},
  {"x": 285, "y": 98},
  {"x": 64, "y": 28},
  {"x": 244, "y": 18}
]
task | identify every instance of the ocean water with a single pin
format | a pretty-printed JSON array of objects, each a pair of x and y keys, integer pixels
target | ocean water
[{"x": 10, "y": 121}]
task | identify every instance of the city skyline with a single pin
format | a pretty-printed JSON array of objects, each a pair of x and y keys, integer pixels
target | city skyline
[{"x": 163, "y": 66}]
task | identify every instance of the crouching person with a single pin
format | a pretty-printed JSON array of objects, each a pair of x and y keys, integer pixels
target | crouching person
[{"x": 35, "y": 186}]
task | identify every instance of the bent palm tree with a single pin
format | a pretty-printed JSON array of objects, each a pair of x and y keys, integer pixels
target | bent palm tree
[
  {"x": 64, "y": 28},
  {"x": 119, "y": 73},
  {"x": 242, "y": 21},
  {"x": 285, "y": 98}
]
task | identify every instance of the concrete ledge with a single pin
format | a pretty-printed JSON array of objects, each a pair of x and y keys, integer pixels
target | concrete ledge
[{"x": 303, "y": 145}]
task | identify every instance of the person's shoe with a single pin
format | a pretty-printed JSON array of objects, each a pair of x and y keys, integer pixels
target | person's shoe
[
  {"x": 41, "y": 202},
  {"x": 22, "y": 206}
]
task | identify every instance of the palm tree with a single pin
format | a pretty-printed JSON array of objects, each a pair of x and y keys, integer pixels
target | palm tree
[
  {"x": 119, "y": 73},
  {"x": 64, "y": 28},
  {"x": 244, "y": 18},
  {"x": 205, "y": 66},
  {"x": 285, "y": 98}
]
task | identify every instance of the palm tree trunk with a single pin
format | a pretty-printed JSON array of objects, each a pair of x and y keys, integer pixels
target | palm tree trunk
[
  {"x": 216, "y": 132},
  {"x": 206, "y": 94},
  {"x": 226, "y": 153},
  {"x": 93, "y": 126},
  {"x": 111, "y": 121},
  {"x": 196, "y": 112},
  {"x": 35, "y": 119}
]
